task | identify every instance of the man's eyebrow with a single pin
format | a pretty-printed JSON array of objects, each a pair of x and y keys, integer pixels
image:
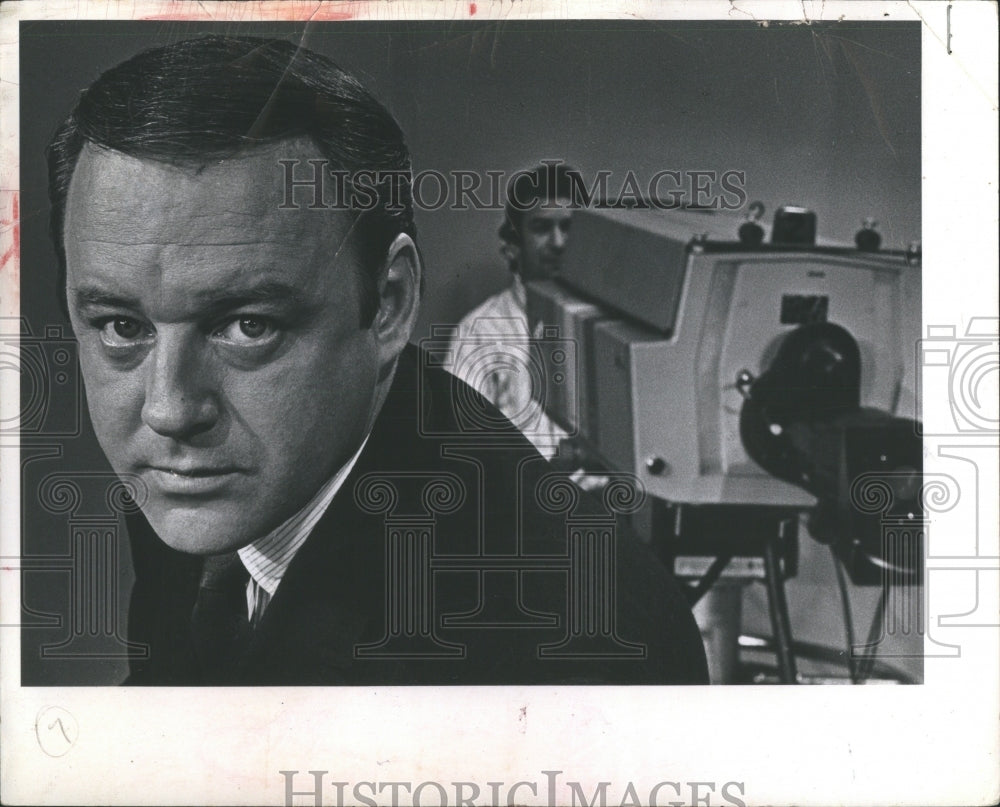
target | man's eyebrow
[
  {"x": 222, "y": 300},
  {"x": 96, "y": 296},
  {"x": 268, "y": 291}
]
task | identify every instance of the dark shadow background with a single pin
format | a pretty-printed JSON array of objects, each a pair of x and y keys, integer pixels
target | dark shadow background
[{"x": 825, "y": 116}]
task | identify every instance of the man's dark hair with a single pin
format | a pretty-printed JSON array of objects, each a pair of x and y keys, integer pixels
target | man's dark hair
[
  {"x": 214, "y": 97},
  {"x": 528, "y": 189}
]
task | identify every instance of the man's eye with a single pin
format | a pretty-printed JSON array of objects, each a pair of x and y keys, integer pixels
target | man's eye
[
  {"x": 123, "y": 331},
  {"x": 246, "y": 330}
]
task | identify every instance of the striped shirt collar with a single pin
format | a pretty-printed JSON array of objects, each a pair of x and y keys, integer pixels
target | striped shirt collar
[{"x": 267, "y": 558}]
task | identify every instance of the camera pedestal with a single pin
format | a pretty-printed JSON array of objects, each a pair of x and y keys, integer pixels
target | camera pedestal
[
  {"x": 719, "y": 614},
  {"x": 718, "y": 550}
]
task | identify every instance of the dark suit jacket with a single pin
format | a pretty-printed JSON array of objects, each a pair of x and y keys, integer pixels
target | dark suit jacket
[{"x": 390, "y": 589}]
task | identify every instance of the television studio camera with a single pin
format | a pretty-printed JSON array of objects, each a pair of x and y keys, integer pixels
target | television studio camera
[{"x": 748, "y": 382}]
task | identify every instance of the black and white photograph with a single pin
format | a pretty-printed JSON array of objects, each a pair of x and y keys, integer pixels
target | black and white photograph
[{"x": 564, "y": 387}]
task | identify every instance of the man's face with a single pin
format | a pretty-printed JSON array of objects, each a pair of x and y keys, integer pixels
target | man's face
[
  {"x": 219, "y": 339},
  {"x": 544, "y": 231}
]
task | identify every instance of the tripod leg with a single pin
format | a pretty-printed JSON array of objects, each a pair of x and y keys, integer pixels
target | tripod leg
[{"x": 780, "y": 623}]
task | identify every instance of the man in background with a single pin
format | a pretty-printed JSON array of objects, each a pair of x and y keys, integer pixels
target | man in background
[{"x": 489, "y": 348}]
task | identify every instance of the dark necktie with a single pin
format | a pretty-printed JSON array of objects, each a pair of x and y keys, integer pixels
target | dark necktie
[{"x": 219, "y": 626}]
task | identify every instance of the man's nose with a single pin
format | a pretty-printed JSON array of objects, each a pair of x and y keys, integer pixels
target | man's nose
[
  {"x": 180, "y": 401},
  {"x": 558, "y": 239}
]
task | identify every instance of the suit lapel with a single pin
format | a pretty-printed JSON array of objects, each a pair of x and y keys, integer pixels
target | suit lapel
[
  {"x": 332, "y": 596},
  {"x": 323, "y": 605}
]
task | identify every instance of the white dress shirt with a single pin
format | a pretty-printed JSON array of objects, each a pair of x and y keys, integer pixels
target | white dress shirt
[{"x": 490, "y": 353}]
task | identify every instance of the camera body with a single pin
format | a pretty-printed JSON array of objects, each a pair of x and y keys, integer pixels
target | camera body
[{"x": 669, "y": 312}]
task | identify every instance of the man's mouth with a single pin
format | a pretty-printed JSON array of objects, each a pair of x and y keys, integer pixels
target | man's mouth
[{"x": 190, "y": 479}]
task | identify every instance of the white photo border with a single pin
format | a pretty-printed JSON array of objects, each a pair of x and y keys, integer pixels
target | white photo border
[{"x": 930, "y": 744}]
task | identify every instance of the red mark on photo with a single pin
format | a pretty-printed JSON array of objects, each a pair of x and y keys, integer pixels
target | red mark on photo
[
  {"x": 12, "y": 220},
  {"x": 292, "y": 10}
]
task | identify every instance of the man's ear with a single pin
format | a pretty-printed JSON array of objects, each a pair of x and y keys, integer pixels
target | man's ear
[
  {"x": 398, "y": 298},
  {"x": 511, "y": 252}
]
